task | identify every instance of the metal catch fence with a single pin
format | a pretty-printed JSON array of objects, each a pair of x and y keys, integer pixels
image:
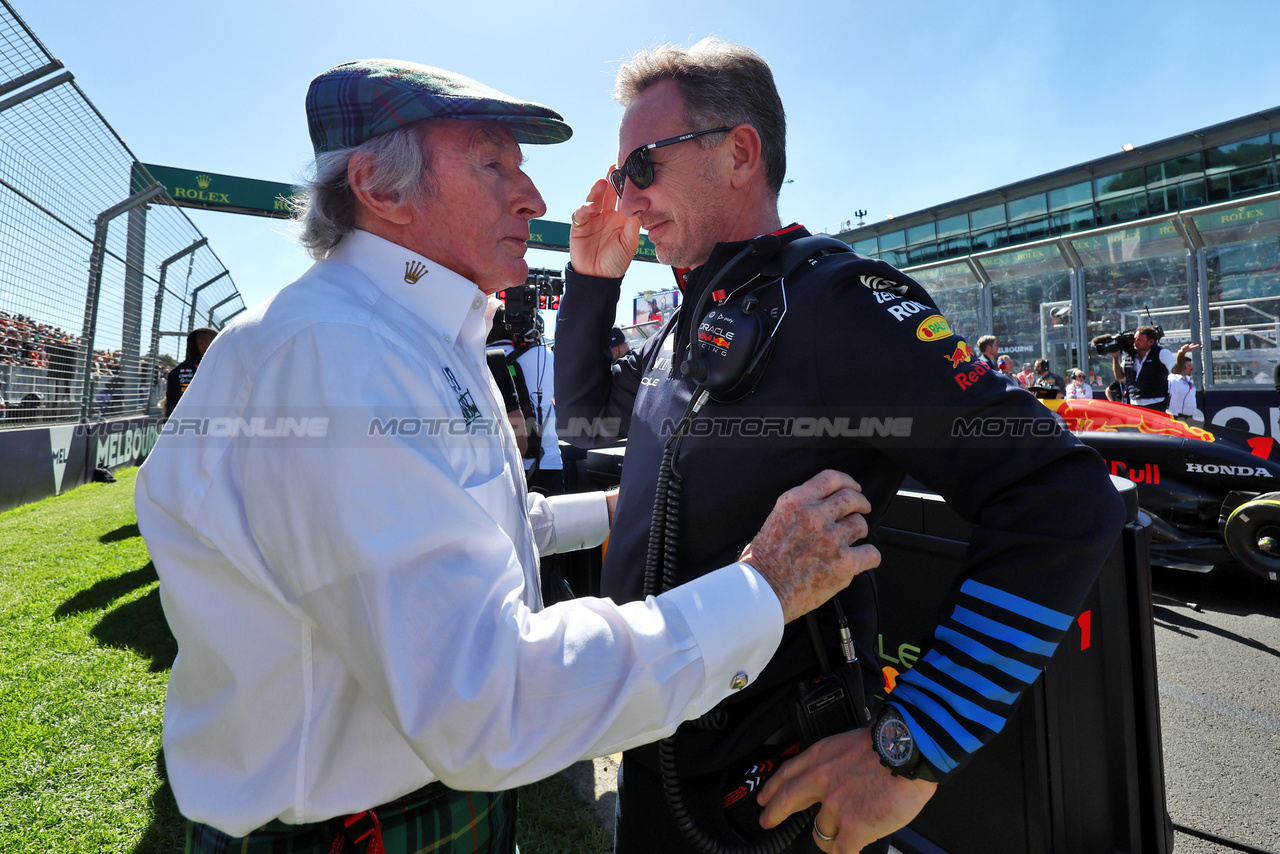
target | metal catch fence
[{"x": 101, "y": 276}]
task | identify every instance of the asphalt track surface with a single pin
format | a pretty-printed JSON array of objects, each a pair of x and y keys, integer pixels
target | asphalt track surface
[{"x": 1218, "y": 655}]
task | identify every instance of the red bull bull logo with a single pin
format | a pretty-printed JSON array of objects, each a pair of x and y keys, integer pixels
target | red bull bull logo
[
  {"x": 713, "y": 340},
  {"x": 962, "y": 353},
  {"x": 1109, "y": 416}
]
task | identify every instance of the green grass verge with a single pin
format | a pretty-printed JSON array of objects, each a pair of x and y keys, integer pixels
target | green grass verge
[{"x": 84, "y": 659}]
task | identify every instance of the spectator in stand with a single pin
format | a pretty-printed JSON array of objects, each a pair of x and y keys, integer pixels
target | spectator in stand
[
  {"x": 1182, "y": 390},
  {"x": 198, "y": 340},
  {"x": 1079, "y": 388},
  {"x": 1026, "y": 375}
]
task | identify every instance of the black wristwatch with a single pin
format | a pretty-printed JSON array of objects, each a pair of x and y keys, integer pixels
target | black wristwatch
[{"x": 897, "y": 747}]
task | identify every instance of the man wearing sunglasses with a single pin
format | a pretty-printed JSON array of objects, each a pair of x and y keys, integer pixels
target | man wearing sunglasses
[{"x": 701, "y": 162}]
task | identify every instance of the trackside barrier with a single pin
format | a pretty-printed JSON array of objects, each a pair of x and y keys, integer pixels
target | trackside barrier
[{"x": 38, "y": 462}]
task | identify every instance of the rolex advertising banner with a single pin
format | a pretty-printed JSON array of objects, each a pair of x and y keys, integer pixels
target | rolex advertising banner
[
  {"x": 42, "y": 461},
  {"x": 209, "y": 190}
]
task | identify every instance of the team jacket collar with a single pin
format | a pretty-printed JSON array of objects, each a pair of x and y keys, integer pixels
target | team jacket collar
[
  {"x": 689, "y": 278},
  {"x": 722, "y": 252},
  {"x": 436, "y": 294}
]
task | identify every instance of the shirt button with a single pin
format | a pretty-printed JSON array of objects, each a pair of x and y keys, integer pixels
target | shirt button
[
  {"x": 478, "y": 303},
  {"x": 739, "y": 681},
  {"x": 448, "y": 339}
]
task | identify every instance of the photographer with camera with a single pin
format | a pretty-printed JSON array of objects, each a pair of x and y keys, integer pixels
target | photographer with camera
[
  {"x": 1143, "y": 368},
  {"x": 517, "y": 329}
]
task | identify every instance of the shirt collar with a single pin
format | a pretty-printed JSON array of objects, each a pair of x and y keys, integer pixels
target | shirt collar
[{"x": 441, "y": 297}]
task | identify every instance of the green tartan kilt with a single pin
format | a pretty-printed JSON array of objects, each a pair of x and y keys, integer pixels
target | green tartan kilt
[{"x": 449, "y": 823}]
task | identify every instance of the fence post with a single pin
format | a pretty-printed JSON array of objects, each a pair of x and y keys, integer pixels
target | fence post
[
  {"x": 191, "y": 320},
  {"x": 155, "y": 314},
  {"x": 235, "y": 295},
  {"x": 131, "y": 311},
  {"x": 96, "y": 260}
]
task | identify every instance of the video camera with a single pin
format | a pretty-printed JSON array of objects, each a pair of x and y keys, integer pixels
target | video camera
[
  {"x": 1122, "y": 342},
  {"x": 542, "y": 289}
]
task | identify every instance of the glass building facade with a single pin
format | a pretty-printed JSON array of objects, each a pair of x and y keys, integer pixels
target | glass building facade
[{"x": 1185, "y": 232}]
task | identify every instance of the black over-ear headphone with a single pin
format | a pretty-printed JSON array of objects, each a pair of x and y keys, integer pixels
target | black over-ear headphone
[{"x": 730, "y": 346}]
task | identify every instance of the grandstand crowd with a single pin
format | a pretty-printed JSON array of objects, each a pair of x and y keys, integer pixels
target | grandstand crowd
[{"x": 38, "y": 362}]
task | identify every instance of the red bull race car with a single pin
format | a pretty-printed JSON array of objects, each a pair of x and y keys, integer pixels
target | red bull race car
[{"x": 1213, "y": 495}]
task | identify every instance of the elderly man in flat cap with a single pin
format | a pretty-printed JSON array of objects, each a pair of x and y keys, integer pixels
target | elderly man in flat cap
[{"x": 347, "y": 554}]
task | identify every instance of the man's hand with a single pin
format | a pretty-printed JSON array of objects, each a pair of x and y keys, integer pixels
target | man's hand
[
  {"x": 1186, "y": 348},
  {"x": 602, "y": 241},
  {"x": 861, "y": 801},
  {"x": 804, "y": 549}
]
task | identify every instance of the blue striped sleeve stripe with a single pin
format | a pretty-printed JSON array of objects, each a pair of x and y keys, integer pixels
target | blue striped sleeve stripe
[
  {"x": 938, "y": 714},
  {"x": 932, "y": 751},
  {"x": 965, "y": 708},
  {"x": 978, "y": 652},
  {"x": 970, "y": 679},
  {"x": 1001, "y": 632},
  {"x": 1017, "y": 605}
]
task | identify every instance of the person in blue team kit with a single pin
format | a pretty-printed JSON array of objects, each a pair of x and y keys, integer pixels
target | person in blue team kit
[{"x": 771, "y": 370}]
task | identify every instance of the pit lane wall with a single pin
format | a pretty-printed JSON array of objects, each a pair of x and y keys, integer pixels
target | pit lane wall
[{"x": 38, "y": 462}]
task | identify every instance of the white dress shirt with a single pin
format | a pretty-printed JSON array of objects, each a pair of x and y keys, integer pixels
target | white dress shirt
[
  {"x": 347, "y": 558},
  {"x": 538, "y": 365},
  {"x": 1182, "y": 396}
]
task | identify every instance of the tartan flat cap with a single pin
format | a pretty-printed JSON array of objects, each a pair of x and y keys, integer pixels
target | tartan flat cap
[{"x": 356, "y": 101}]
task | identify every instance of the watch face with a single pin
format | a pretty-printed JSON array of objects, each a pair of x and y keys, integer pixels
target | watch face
[{"x": 893, "y": 741}]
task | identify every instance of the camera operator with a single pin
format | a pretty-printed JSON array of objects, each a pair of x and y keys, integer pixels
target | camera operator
[
  {"x": 1144, "y": 373},
  {"x": 522, "y": 343}
]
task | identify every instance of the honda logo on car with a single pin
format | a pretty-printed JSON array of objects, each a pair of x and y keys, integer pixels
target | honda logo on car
[{"x": 1212, "y": 468}]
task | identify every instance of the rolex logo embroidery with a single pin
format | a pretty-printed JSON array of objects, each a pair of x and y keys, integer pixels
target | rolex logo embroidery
[{"x": 413, "y": 271}]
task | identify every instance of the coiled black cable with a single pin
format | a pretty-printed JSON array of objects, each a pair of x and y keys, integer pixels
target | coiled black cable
[{"x": 664, "y": 538}]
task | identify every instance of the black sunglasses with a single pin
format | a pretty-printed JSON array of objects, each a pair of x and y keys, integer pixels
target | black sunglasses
[{"x": 639, "y": 168}]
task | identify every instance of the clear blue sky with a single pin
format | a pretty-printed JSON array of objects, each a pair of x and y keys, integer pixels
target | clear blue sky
[{"x": 892, "y": 106}]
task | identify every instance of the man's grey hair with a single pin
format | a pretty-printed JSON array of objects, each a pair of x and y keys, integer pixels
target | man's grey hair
[
  {"x": 325, "y": 205},
  {"x": 722, "y": 84}
]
